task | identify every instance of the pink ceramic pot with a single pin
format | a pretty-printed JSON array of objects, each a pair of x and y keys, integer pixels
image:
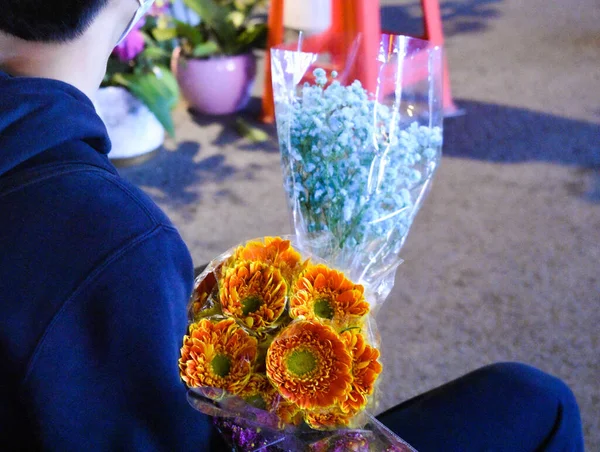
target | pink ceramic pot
[{"x": 215, "y": 86}]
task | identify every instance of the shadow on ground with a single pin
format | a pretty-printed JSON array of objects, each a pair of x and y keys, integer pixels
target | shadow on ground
[
  {"x": 231, "y": 133},
  {"x": 503, "y": 134},
  {"x": 510, "y": 135},
  {"x": 177, "y": 172},
  {"x": 487, "y": 132},
  {"x": 458, "y": 17}
]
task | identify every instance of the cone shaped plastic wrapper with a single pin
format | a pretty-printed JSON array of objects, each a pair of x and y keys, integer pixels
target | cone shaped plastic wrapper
[{"x": 360, "y": 140}]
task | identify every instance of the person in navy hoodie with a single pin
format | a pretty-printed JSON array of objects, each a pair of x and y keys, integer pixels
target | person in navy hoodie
[{"x": 94, "y": 278}]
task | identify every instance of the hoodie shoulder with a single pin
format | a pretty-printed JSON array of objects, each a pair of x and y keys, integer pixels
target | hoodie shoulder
[
  {"x": 88, "y": 192},
  {"x": 65, "y": 210},
  {"x": 55, "y": 231},
  {"x": 38, "y": 115}
]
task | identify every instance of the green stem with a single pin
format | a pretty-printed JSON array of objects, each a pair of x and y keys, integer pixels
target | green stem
[{"x": 353, "y": 225}]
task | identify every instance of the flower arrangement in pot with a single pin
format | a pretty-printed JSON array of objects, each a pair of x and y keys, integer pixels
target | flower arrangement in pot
[
  {"x": 139, "y": 90},
  {"x": 214, "y": 64}
]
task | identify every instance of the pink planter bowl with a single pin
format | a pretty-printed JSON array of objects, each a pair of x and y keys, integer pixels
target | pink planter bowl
[{"x": 215, "y": 86}]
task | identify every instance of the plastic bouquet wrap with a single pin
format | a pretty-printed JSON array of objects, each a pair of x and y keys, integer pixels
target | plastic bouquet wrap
[
  {"x": 360, "y": 134},
  {"x": 282, "y": 347}
]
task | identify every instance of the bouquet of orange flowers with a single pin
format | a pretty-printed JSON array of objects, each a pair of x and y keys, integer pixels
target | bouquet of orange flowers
[{"x": 281, "y": 350}]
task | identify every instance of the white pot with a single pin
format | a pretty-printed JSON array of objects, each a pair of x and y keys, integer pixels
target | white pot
[{"x": 132, "y": 128}]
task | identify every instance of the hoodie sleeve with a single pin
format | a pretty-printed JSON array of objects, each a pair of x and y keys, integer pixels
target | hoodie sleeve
[{"x": 105, "y": 374}]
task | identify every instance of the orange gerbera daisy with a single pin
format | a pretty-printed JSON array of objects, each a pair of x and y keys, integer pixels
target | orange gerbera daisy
[
  {"x": 259, "y": 392},
  {"x": 217, "y": 354},
  {"x": 203, "y": 298},
  {"x": 289, "y": 413},
  {"x": 255, "y": 293},
  {"x": 310, "y": 365},
  {"x": 328, "y": 419},
  {"x": 273, "y": 251},
  {"x": 326, "y": 294},
  {"x": 365, "y": 370}
]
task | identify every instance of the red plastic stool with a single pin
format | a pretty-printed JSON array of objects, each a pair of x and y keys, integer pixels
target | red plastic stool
[
  {"x": 350, "y": 18},
  {"x": 434, "y": 33}
]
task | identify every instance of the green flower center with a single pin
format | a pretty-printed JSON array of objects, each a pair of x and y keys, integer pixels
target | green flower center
[
  {"x": 257, "y": 402},
  {"x": 221, "y": 365},
  {"x": 301, "y": 362},
  {"x": 251, "y": 304},
  {"x": 323, "y": 309}
]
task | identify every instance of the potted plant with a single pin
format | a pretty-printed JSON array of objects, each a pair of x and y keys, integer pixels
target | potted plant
[
  {"x": 214, "y": 64},
  {"x": 139, "y": 91}
]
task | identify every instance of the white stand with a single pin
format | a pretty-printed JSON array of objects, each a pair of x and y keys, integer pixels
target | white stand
[{"x": 132, "y": 128}]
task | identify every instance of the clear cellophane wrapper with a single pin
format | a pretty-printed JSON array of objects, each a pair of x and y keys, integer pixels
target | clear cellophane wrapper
[{"x": 360, "y": 134}]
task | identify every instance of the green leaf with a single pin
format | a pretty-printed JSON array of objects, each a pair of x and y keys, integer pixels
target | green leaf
[
  {"x": 255, "y": 36},
  {"x": 157, "y": 89},
  {"x": 149, "y": 40},
  {"x": 164, "y": 34},
  {"x": 205, "y": 50},
  {"x": 115, "y": 66},
  {"x": 247, "y": 6},
  {"x": 121, "y": 79},
  {"x": 240, "y": 5},
  {"x": 214, "y": 17},
  {"x": 189, "y": 32},
  {"x": 150, "y": 22},
  {"x": 155, "y": 53},
  {"x": 208, "y": 10},
  {"x": 252, "y": 133},
  {"x": 237, "y": 18}
]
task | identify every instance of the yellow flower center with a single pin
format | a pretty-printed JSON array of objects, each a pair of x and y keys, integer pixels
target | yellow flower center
[
  {"x": 251, "y": 304},
  {"x": 221, "y": 365},
  {"x": 301, "y": 362},
  {"x": 323, "y": 309}
]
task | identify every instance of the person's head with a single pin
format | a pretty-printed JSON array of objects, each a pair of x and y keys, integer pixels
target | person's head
[
  {"x": 67, "y": 31},
  {"x": 60, "y": 20}
]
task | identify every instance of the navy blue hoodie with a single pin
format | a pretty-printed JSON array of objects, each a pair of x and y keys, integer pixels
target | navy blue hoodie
[{"x": 93, "y": 288}]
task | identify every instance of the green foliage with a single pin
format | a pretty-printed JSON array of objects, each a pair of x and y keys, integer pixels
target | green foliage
[
  {"x": 227, "y": 27},
  {"x": 164, "y": 34},
  {"x": 157, "y": 89},
  {"x": 253, "y": 134},
  {"x": 205, "y": 49},
  {"x": 147, "y": 76}
]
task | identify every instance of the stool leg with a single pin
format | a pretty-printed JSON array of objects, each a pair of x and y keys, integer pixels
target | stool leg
[
  {"x": 274, "y": 38},
  {"x": 367, "y": 22},
  {"x": 434, "y": 33}
]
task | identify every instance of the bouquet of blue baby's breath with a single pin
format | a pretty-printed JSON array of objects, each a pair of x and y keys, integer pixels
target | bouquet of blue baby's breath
[{"x": 356, "y": 163}]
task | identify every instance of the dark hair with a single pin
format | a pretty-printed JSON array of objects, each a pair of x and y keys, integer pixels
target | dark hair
[{"x": 48, "y": 20}]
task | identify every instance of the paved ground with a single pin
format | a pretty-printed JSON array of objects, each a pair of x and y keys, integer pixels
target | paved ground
[{"x": 503, "y": 262}]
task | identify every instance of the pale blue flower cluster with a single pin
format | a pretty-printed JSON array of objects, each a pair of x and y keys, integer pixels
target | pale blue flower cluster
[{"x": 352, "y": 167}]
